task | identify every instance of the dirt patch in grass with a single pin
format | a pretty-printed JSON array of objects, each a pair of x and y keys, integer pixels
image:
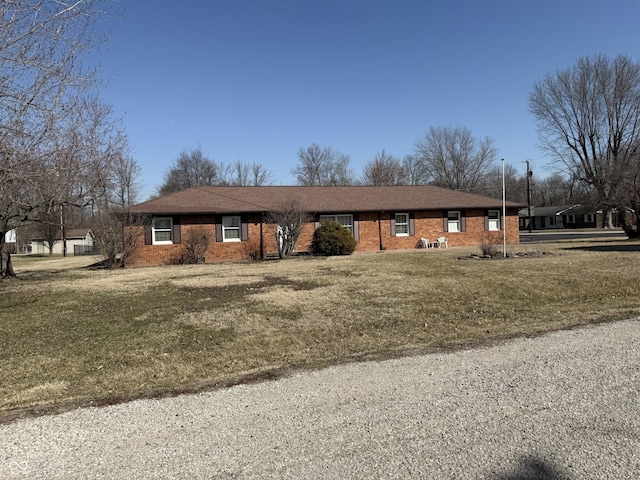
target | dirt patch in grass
[{"x": 75, "y": 336}]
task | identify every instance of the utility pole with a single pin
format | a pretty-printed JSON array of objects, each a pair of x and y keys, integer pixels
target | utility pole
[
  {"x": 529, "y": 174},
  {"x": 504, "y": 215}
]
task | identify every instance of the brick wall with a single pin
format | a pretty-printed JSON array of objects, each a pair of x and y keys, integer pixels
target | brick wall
[{"x": 372, "y": 229}]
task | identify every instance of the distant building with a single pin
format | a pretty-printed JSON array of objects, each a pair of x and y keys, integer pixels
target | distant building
[
  {"x": 561, "y": 216},
  {"x": 81, "y": 239}
]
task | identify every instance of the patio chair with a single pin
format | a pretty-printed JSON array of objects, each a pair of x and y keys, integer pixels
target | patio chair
[
  {"x": 425, "y": 243},
  {"x": 443, "y": 241}
]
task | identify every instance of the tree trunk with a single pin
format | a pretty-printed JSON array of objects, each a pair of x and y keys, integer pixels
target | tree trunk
[
  {"x": 607, "y": 218},
  {"x": 6, "y": 269},
  {"x": 631, "y": 232}
]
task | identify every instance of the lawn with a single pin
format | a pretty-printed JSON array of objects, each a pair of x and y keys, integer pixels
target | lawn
[{"x": 76, "y": 336}]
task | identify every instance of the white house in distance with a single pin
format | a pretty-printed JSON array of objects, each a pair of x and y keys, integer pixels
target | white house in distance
[
  {"x": 77, "y": 239},
  {"x": 10, "y": 236}
]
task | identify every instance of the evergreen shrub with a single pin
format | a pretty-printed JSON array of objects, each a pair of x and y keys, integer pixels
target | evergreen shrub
[{"x": 331, "y": 238}]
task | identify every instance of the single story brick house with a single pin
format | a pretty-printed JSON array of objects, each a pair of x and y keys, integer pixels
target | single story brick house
[{"x": 380, "y": 218}]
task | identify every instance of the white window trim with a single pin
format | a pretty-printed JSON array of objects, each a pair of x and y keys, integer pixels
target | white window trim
[
  {"x": 238, "y": 228},
  {"x": 455, "y": 223},
  {"x": 589, "y": 217},
  {"x": 496, "y": 219},
  {"x": 154, "y": 230},
  {"x": 571, "y": 218},
  {"x": 335, "y": 219},
  {"x": 406, "y": 223}
]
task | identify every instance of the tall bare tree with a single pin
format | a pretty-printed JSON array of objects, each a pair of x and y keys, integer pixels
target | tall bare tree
[
  {"x": 192, "y": 168},
  {"x": 515, "y": 184},
  {"x": 414, "y": 170},
  {"x": 385, "y": 169},
  {"x": 321, "y": 166},
  {"x": 124, "y": 184},
  {"x": 245, "y": 174},
  {"x": 43, "y": 89},
  {"x": 454, "y": 158},
  {"x": 588, "y": 119},
  {"x": 121, "y": 189}
]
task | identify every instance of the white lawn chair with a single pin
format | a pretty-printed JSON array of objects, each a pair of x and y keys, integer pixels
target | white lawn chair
[
  {"x": 425, "y": 243},
  {"x": 443, "y": 241}
]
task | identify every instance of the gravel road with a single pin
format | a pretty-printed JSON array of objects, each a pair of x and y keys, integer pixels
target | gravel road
[{"x": 564, "y": 405}]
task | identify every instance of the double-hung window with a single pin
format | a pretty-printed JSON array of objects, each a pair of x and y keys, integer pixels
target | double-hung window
[
  {"x": 231, "y": 229},
  {"x": 493, "y": 220},
  {"x": 589, "y": 218},
  {"x": 402, "y": 224},
  {"x": 453, "y": 221},
  {"x": 344, "y": 220},
  {"x": 162, "y": 230}
]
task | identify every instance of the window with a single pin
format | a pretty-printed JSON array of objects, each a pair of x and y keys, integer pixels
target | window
[
  {"x": 231, "y": 229},
  {"x": 402, "y": 224},
  {"x": 571, "y": 218},
  {"x": 162, "y": 229},
  {"x": 344, "y": 220},
  {"x": 453, "y": 221},
  {"x": 493, "y": 220},
  {"x": 589, "y": 218}
]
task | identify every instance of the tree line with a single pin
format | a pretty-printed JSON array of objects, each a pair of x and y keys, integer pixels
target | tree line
[
  {"x": 446, "y": 157},
  {"x": 65, "y": 159}
]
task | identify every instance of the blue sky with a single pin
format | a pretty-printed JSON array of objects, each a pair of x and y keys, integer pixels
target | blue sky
[{"x": 254, "y": 80}]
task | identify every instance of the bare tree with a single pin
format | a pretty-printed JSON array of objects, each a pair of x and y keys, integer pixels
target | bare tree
[
  {"x": 414, "y": 170},
  {"x": 289, "y": 219},
  {"x": 515, "y": 184},
  {"x": 320, "y": 166},
  {"x": 588, "y": 119},
  {"x": 192, "y": 168},
  {"x": 454, "y": 158},
  {"x": 550, "y": 191},
  {"x": 117, "y": 234},
  {"x": 43, "y": 88},
  {"x": 629, "y": 194},
  {"x": 245, "y": 174},
  {"x": 385, "y": 169},
  {"x": 112, "y": 223},
  {"x": 123, "y": 186}
]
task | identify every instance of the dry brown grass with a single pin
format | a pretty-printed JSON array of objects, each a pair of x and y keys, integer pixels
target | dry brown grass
[{"x": 76, "y": 336}]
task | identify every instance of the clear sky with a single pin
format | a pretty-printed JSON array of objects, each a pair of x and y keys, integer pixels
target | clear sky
[{"x": 255, "y": 80}]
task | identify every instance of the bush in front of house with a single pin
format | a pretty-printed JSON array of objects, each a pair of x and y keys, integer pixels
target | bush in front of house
[
  {"x": 195, "y": 246},
  {"x": 490, "y": 246},
  {"x": 331, "y": 238}
]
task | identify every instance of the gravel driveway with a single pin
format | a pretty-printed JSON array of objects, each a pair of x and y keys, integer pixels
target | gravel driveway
[{"x": 560, "y": 406}]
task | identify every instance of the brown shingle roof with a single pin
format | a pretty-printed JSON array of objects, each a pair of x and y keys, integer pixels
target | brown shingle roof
[{"x": 224, "y": 200}]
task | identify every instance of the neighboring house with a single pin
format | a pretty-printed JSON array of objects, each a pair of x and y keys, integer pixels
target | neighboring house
[
  {"x": 380, "y": 218},
  {"x": 79, "y": 240},
  {"x": 562, "y": 216}
]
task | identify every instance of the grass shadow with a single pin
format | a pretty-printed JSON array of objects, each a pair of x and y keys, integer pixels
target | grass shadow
[{"x": 607, "y": 247}]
